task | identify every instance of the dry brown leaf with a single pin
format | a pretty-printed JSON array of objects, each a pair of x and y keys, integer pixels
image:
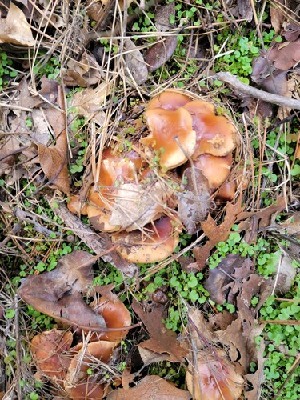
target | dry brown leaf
[
  {"x": 58, "y": 293},
  {"x": 53, "y": 159},
  {"x": 152, "y": 387},
  {"x": 163, "y": 16},
  {"x": 162, "y": 340},
  {"x": 135, "y": 62},
  {"x": 194, "y": 201},
  {"x": 285, "y": 55},
  {"x": 15, "y": 29},
  {"x": 137, "y": 205},
  {"x": 84, "y": 73},
  {"x": 158, "y": 54},
  {"x": 54, "y": 166},
  {"x": 89, "y": 102},
  {"x": 277, "y": 15},
  {"x": 219, "y": 277},
  {"x": 216, "y": 233},
  {"x": 245, "y": 9}
]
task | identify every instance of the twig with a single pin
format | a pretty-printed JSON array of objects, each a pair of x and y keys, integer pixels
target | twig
[{"x": 233, "y": 81}]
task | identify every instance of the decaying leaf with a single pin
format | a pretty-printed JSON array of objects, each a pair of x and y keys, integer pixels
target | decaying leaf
[
  {"x": 160, "y": 52},
  {"x": 84, "y": 73},
  {"x": 89, "y": 102},
  {"x": 216, "y": 233},
  {"x": 58, "y": 293},
  {"x": 15, "y": 29},
  {"x": 49, "y": 350},
  {"x": 135, "y": 62},
  {"x": 193, "y": 202},
  {"x": 162, "y": 340},
  {"x": 152, "y": 387},
  {"x": 285, "y": 55},
  {"x": 54, "y": 165},
  {"x": 53, "y": 159},
  {"x": 136, "y": 205}
]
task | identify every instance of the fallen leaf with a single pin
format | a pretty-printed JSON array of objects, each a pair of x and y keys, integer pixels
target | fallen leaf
[
  {"x": 216, "y": 233},
  {"x": 58, "y": 293},
  {"x": 135, "y": 62},
  {"x": 89, "y": 102},
  {"x": 285, "y": 55},
  {"x": 194, "y": 200},
  {"x": 162, "y": 17},
  {"x": 136, "y": 205},
  {"x": 162, "y": 340},
  {"x": 53, "y": 159},
  {"x": 219, "y": 277},
  {"x": 277, "y": 15},
  {"x": 84, "y": 73},
  {"x": 152, "y": 387},
  {"x": 158, "y": 54},
  {"x": 245, "y": 9},
  {"x": 15, "y": 29},
  {"x": 54, "y": 166}
]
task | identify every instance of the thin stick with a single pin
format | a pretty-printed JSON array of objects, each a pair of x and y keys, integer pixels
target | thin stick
[{"x": 233, "y": 81}]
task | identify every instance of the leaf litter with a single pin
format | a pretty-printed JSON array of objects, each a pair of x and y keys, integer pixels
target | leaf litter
[{"x": 219, "y": 348}]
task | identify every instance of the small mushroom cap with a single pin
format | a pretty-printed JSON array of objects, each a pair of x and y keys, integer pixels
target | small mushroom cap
[
  {"x": 89, "y": 390},
  {"x": 155, "y": 243},
  {"x": 75, "y": 206},
  {"x": 215, "y": 169},
  {"x": 227, "y": 191},
  {"x": 115, "y": 315},
  {"x": 168, "y": 100},
  {"x": 171, "y": 134},
  {"x": 48, "y": 350},
  {"x": 216, "y": 135}
]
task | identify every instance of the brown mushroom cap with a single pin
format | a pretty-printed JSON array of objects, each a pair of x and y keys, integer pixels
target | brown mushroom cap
[
  {"x": 171, "y": 134},
  {"x": 155, "y": 243},
  {"x": 78, "y": 384},
  {"x": 216, "y": 135},
  {"x": 226, "y": 191},
  {"x": 215, "y": 169},
  {"x": 89, "y": 390},
  {"x": 115, "y": 315},
  {"x": 75, "y": 206},
  {"x": 168, "y": 100},
  {"x": 48, "y": 350}
]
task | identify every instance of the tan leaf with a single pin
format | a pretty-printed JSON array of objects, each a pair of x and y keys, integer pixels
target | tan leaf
[
  {"x": 162, "y": 340},
  {"x": 84, "y": 73},
  {"x": 15, "y": 29},
  {"x": 152, "y": 387},
  {"x": 137, "y": 205},
  {"x": 54, "y": 166},
  {"x": 89, "y": 102}
]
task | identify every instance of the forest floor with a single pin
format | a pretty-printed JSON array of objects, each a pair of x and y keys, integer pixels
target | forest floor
[{"x": 149, "y": 200}]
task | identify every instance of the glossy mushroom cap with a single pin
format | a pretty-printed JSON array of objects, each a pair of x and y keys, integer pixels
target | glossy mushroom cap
[
  {"x": 115, "y": 315},
  {"x": 168, "y": 100},
  {"x": 155, "y": 243},
  {"x": 48, "y": 350},
  {"x": 216, "y": 135},
  {"x": 215, "y": 169},
  {"x": 171, "y": 136}
]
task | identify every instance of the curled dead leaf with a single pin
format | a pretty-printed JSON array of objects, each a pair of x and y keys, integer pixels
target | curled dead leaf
[{"x": 15, "y": 29}]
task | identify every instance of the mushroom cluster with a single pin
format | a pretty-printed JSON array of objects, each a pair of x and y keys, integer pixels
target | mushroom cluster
[
  {"x": 67, "y": 365},
  {"x": 136, "y": 198}
]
